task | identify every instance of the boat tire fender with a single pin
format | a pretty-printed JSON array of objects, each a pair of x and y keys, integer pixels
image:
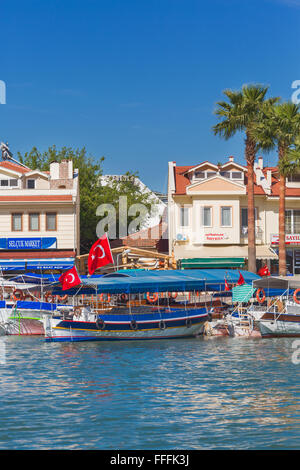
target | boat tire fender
[
  {"x": 100, "y": 324},
  {"x": 133, "y": 325}
]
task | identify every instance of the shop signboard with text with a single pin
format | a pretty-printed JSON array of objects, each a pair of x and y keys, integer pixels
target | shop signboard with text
[{"x": 290, "y": 239}]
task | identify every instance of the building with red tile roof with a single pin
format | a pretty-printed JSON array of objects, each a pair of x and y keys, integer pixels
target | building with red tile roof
[
  {"x": 208, "y": 216},
  {"x": 39, "y": 216}
]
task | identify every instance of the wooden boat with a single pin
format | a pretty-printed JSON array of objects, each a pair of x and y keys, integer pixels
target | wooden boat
[
  {"x": 136, "y": 323},
  {"x": 274, "y": 324}
]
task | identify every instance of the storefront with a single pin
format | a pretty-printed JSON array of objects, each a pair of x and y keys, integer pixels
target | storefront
[{"x": 292, "y": 242}]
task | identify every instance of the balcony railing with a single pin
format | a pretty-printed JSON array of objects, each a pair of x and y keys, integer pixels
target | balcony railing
[{"x": 258, "y": 233}]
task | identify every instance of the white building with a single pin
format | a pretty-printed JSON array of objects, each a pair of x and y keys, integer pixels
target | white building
[
  {"x": 208, "y": 216},
  {"x": 39, "y": 217}
]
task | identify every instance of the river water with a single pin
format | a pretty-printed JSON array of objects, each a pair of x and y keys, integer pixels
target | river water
[{"x": 195, "y": 394}]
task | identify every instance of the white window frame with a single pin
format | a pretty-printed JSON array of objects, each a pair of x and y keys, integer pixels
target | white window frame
[
  {"x": 181, "y": 208},
  {"x": 210, "y": 210},
  {"x": 221, "y": 210}
]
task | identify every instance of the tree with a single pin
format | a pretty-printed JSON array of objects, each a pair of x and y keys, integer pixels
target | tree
[
  {"x": 93, "y": 193},
  {"x": 280, "y": 127},
  {"x": 132, "y": 205},
  {"x": 240, "y": 114}
]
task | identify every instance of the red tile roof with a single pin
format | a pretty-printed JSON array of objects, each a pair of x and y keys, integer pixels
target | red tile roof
[
  {"x": 182, "y": 181},
  {"x": 14, "y": 167}
]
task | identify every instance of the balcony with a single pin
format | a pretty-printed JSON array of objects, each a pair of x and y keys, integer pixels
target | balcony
[{"x": 258, "y": 234}]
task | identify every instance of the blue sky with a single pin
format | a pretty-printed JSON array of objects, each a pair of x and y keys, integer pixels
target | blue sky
[{"x": 137, "y": 81}]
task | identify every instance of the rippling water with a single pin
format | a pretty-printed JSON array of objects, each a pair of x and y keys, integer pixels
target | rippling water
[{"x": 206, "y": 393}]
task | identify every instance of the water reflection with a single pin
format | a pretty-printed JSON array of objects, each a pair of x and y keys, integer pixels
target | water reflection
[{"x": 222, "y": 393}]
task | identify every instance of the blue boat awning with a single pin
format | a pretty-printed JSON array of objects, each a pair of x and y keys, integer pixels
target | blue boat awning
[{"x": 159, "y": 281}]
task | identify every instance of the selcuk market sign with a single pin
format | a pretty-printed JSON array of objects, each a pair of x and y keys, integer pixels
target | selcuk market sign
[
  {"x": 290, "y": 239},
  {"x": 27, "y": 243}
]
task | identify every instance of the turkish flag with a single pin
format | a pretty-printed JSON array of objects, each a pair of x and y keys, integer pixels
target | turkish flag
[
  {"x": 69, "y": 279},
  {"x": 264, "y": 271},
  {"x": 100, "y": 254},
  {"x": 241, "y": 280},
  {"x": 226, "y": 285}
]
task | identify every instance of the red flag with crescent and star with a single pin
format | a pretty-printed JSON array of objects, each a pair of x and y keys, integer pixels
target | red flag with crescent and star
[
  {"x": 226, "y": 285},
  {"x": 69, "y": 279},
  {"x": 100, "y": 254},
  {"x": 241, "y": 280}
]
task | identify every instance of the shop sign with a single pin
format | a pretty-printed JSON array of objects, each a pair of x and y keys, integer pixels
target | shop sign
[
  {"x": 216, "y": 236},
  {"x": 27, "y": 243},
  {"x": 290, "y": 239}
]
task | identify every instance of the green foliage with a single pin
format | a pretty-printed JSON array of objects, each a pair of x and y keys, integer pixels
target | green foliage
[
  {"x": 92, "y": 192},
  {"x": 242, "y": 110},
  {"x": 279, "y": 127}
]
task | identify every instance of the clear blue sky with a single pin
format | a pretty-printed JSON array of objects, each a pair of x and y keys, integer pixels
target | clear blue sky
[{"x": 137, "y": 80}]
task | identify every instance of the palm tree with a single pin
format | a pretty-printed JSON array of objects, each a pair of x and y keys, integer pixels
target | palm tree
[
  {"x": 279, "y": 127},
  {"x": 242, "y": 113}
]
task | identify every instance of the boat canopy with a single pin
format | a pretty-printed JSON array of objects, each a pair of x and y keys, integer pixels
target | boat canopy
[
  {"x": 158, "y": 281},
  {"x": 271, "y": 283}
]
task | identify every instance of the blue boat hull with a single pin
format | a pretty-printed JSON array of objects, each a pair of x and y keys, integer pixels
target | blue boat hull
[{"x": 171, "y": 324}]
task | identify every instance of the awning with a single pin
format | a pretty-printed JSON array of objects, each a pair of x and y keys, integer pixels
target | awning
[
  {"x": 225, "y": 252},
  {"x": 265, "y": 252},
  {"x": 44, "y": 264},
  {"x": 212, "y": 263},
  {"x": 11, "y": 265}
]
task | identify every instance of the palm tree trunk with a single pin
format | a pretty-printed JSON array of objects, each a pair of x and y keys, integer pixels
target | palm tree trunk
[
  {"x": 250, "y": 151},
  {"x": 282, "y": 248}
]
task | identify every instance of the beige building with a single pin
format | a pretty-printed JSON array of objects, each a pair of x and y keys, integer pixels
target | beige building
[
  {"x": 207, "y": 214},
  {"x": 39, "y": 217}
]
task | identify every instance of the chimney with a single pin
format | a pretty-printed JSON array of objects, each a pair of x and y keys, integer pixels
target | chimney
[
  {"x": 260, "y": 162},
  {"x": 231, "y": 158},
  {"x": 54, "y": 170}
]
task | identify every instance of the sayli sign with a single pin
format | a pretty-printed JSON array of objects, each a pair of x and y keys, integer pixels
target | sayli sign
[{"x": 290, "y": 239}]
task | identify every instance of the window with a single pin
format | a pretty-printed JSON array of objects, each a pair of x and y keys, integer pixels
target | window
[
  {"x": 16, "y": 222},
  {"x": 13, "y": 182},
  {"x": 184, "y": 216},
  {"x": 295, "y": 178},
  {"x": 199, "y": 174},
  {"x": 30, "y": 184},
  {"x": 292, "y": 221},
  {"x": 225, "y": 174},
  {"x": 51, "y": 221},
  {"x": 244, "y": 219},
  {"x": 3, "y": 182},
  {"x": 206, "y": 221},
  {"x": 226, "y": 216},
  {"x": 236, "y": 175},
  {"x": 209, "y": 174},
  {"x": 34, "y": 222}
]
